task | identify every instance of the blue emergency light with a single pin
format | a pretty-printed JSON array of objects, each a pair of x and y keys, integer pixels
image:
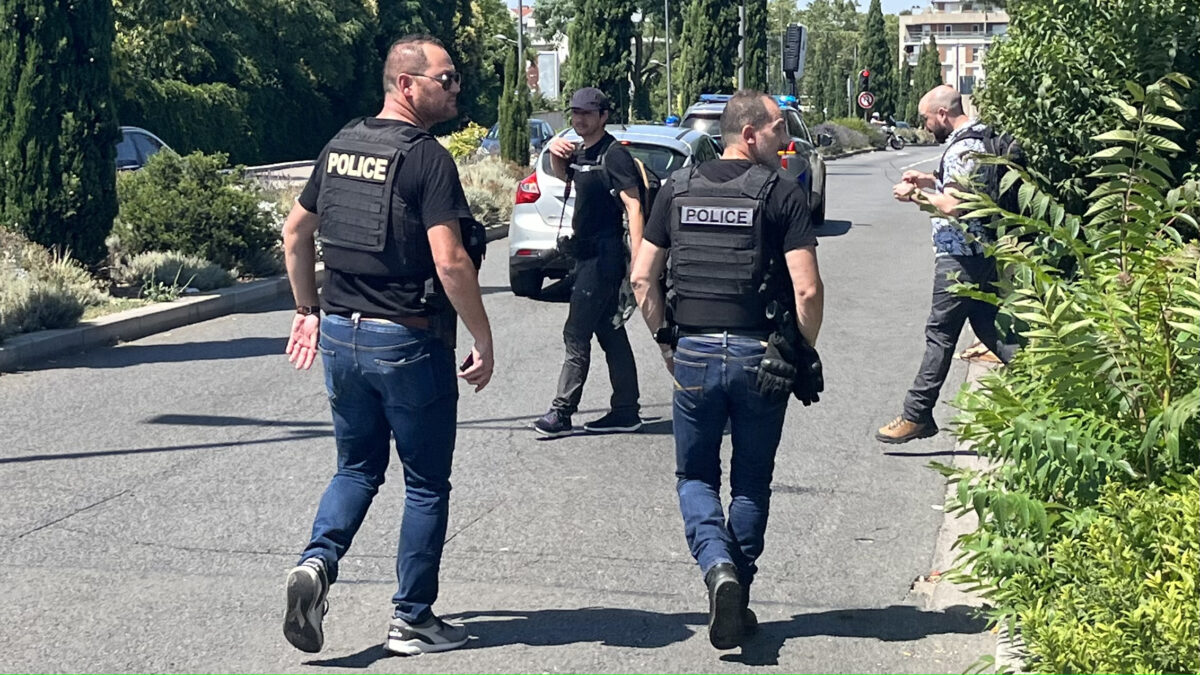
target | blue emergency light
[{"x": 715, "y": 98}]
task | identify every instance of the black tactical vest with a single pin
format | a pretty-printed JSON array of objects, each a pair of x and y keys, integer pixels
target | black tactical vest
[
  {"x": 365, "y": 229},
  {"x": 718, "y": 261}
]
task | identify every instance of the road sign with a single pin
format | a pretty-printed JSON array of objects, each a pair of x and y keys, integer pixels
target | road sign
[{"x": 866, "y": 100}]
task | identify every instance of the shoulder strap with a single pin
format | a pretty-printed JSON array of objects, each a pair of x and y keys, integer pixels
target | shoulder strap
[
  {"x": 681, "y": 179},
  {"x": 758, "y": 181}
]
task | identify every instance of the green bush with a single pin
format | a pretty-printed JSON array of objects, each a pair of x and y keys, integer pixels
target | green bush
[
  {"x": 40, "y": 289},
  {"x": 874, "y": 136},
  {"x": 844, "y": 139},
  {"x": 167, "y": 268},
  {"x": 490, "y": 186},
  {"x": 1049, "y": 79},
  {"x": 916, "y": 136},
  {"x": 1104, "y": 389},
  {"x": 463, "y": 143},
  {"x": 1122, "y": 596},
  {"x": 194, "y": 205}
]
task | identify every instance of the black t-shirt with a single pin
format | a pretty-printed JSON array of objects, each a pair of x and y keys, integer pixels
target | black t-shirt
[
  {"x": 786, "y": 219},
  {"x": 598, "y": 212},
  {"x": 428, "y": 183}
]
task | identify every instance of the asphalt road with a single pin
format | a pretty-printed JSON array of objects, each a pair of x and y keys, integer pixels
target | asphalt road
[{"x": 155, "y": 494}]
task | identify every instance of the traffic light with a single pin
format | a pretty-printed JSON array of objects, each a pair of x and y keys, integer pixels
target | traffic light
[{"x": 864, "y": 79}]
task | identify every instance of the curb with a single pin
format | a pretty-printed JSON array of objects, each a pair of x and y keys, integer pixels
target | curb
[
  {"x": 281, "y": 166},
  {"x": 860, "y": 151},
  {"x": 140, "y": 321},
  {"x": 132, "y": 324}
]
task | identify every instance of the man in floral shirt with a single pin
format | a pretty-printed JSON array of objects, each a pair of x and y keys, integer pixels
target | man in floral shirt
[{"x": 959, "y": 257}]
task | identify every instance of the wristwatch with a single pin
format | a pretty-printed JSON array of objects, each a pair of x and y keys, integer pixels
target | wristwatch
[{"x": 307, "y": 310}]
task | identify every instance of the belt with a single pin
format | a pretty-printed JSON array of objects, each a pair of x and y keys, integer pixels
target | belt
[
  {"x": 418, "y": 322},
  {"x": 720, "y": 332}
]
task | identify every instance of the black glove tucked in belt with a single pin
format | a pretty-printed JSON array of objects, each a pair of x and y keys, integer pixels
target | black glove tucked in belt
[{"x": 776, "y": 374}]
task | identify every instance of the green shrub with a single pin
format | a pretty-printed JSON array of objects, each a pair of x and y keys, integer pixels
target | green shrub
[
  {"x": 189, "y": 270},
  {"x": 1049, "y": 79},
  {"x": 40, "y": 289},
  {"x": 844, "y": 139},
  {"x": 463, "y": 143},
  {"x": 875, "y": 137},
  {"x": 1104, "y": 388},
  {"x": 914, "y": 136},
  {"x": 491, "y": 187},
  {"x": 1122, "y": 596},
  {"x": 194, "y": 205}
]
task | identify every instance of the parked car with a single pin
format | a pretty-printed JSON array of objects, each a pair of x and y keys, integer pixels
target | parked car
[
  {"x": 135, "y": 148},
  {"x": 540, "y": 131},
  {"x": 540, "y": 217},
  {"x": 800, "y": 162}
]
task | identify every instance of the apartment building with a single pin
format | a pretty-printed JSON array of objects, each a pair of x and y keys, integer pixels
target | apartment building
[{"x": 964, "y": 29}]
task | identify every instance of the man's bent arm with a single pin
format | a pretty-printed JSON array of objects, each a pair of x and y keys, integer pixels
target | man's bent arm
[
  {"x": 647, "y": 269},
  {"x": 300, "y": 254},
  {"x": 637, "y": 219},
  {"x": 808, "y": 289},
  {"x": 460, "y": 279}
]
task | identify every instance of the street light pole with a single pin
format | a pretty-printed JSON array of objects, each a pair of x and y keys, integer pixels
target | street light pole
[
  {"x": 521, "y": 41},
  {"x": 667, "y": 14}
]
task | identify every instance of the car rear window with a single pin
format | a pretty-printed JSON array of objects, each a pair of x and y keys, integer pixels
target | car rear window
[
  {"x": 705, "y": 125},
  {"x": 657, "y": 158}
]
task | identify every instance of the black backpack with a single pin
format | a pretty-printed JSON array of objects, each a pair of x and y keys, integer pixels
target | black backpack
[{"x": 992, "y": 175}]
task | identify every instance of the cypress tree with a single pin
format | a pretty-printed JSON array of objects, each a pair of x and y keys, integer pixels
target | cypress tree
[
  {"x": 756, "y": 45},
  {"x": 515, "y": 108},
  {"x": 599, "y": 35},
  {"x": 58, "y": 134},
  {"x": 929, "y": 69},
  {"x": 708, "y": 56},
  {"x": 875, "y": 57}
]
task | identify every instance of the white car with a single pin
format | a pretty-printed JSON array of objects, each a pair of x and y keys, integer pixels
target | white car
[{"x": 539, "y": 217}]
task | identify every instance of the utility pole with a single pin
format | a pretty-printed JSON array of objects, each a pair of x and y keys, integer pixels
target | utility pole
[
  {"x": 742, "y": 45},
  {"x": 521, "y": 41},
  {"x": 667, "y": 14}
]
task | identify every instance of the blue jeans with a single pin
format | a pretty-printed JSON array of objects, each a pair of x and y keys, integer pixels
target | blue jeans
[
  {"x": 387, "y": 380},
  {"x": 714, "y": 383}
]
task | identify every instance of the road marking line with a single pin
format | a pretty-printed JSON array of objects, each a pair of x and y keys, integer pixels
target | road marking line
[{"x": 931, "y": 159}]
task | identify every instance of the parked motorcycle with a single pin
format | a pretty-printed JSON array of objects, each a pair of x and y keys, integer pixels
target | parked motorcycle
[{"x": 893, "y": 140}]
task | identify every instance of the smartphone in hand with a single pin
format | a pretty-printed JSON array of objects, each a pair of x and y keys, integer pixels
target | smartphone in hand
[{"x": 467, "y": 363}]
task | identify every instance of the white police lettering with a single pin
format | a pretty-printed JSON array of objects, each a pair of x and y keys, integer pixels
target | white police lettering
[
  {"x": 357, "y": 166},
  {"x": 716, "y": 215}
]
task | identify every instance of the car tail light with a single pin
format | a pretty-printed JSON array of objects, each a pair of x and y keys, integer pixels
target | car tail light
[{"x": 528, "y": 191}]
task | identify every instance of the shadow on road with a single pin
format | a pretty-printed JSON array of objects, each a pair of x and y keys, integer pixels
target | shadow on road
[
  {"x": 898, "y": 623},
  {"x": 132, "y": 355},
  {"x": 227, "y": 421},
  {"x": 609, "y": 626},
  {"x": 833, "y": 228},
  {"x": 295, "y": 435}
]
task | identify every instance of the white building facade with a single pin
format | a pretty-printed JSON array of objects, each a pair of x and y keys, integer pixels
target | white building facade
[{"x": 964, "y": 29}]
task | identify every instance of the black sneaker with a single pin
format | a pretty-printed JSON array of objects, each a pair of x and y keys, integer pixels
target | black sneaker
[
  {"x": 307, "y": 587},
  {"x": 554, "y": 424},
  {"x": 726, "y": 618},
  {"x": 614, "y": 422},
  {"x": 435, "y": 635}
]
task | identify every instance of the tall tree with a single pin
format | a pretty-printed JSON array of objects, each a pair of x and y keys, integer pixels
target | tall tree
[
  {"x": 756, "y": 44},
  {"x": 599, "y": 36},
  {"x": 515, "y": 108},
  {"x": 708, "y": 56},
  {"x": 57, "y": 128},
  {"x": 873, "y": 55},
  {"x": 929, "y": 69}
]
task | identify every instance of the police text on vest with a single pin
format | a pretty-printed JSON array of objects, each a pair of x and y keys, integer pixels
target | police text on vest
[
  {"x": 357, "y": 166},
  {"x": 716, "y": 215}
]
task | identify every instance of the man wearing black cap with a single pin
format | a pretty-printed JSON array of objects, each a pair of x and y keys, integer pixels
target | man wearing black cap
[{"x": 605, "y": 183}]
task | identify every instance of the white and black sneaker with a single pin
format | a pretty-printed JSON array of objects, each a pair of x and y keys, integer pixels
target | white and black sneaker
[
  {"x": 434, "y": 635},
  {"x": 307, "y": 587}
]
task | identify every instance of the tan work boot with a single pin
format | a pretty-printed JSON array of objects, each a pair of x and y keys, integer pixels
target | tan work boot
[{"x": 901, "y": 430}]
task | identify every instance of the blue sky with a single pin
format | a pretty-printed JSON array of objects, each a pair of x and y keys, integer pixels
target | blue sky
[{"x": 889, "y": 6}]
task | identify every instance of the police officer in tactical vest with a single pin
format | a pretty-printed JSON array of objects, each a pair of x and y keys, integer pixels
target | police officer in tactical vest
[
  {"x": 401, "y": 255},
  {"x": 737, "y": 335}
]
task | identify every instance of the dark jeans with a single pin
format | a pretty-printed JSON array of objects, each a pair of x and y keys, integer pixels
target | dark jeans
[
  {"x": 388, "y": 380},
  {"x": 594, "y": 303},
  {"x": 714, "y": 383},
  {"x": 945, "y": 323}
]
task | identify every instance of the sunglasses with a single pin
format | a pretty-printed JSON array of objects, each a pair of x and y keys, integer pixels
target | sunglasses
[{"x": 447, "y": 80}]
